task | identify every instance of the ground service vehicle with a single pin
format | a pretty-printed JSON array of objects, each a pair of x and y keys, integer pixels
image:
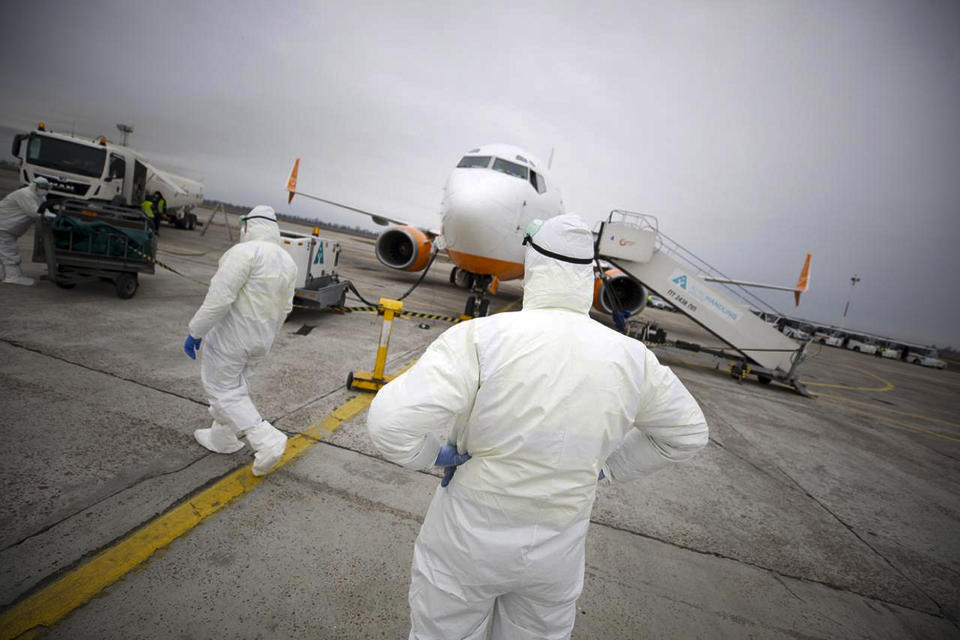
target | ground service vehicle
[{"x": 84, "y": 169}]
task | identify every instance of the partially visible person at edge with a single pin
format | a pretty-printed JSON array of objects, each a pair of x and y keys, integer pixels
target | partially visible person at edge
[{"x": 18, "y": 210}]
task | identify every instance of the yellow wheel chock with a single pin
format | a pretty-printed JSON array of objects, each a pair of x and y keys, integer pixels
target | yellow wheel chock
[{"x": 373, "y": 381}]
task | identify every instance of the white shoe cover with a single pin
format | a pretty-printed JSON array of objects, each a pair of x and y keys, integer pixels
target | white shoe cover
[
  {"x": 269, "y": 444},
  {"x": 14, "y": 275},
  {"x": 219, "y": 439}
]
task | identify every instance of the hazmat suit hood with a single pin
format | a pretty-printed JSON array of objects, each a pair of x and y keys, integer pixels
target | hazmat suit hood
[
  {"x": 260, "y": 224},
  {"x": 41, "y": 186},
  {"x": 552, "y": 283}
]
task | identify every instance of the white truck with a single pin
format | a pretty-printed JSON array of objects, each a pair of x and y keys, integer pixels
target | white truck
[{"x": 84, "y": 169}]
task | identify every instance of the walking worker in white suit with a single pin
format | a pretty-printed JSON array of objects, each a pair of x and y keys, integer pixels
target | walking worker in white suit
[
  {"x": 247, "y": 303},
  {"x": 528, "y": 409}
]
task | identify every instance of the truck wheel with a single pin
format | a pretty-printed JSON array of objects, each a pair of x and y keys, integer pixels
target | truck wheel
[
  {"x": 64, "y": 285},
  {"x": 126, "y": 285},
  {"x": 350, "y": 380},
  {"x": 762, "y": 379},
  {"x": 191, "y": 221},
  {"x": 180, "y": 223}
]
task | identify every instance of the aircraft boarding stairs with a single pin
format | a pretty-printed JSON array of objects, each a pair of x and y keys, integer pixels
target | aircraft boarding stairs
[{"x": 633, "y": 243}]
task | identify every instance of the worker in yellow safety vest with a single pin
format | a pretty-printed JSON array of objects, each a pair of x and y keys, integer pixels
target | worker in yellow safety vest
[{"x": 147, "y": 207}]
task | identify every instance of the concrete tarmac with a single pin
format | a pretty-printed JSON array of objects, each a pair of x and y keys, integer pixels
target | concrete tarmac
[{"x": 803, "y": 518}]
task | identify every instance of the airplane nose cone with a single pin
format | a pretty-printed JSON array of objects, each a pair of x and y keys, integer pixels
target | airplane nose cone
[{"x": 473, "y": 206}]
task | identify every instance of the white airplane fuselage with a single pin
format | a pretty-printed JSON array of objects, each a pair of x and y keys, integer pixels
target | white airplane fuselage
[{"x": 488, "y": 203}]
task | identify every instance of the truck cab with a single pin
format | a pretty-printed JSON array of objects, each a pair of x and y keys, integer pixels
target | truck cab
[
  {"x": 81, "y": 169},
  {"x": 84, "y": 169}
]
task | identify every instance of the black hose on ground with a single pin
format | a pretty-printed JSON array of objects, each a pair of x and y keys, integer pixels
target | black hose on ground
[{"x": 408, "y": 292}]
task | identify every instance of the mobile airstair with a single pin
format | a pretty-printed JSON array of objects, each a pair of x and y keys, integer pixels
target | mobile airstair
[{"x": 633, "y": 243}]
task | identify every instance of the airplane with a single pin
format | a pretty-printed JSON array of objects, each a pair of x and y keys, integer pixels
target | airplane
[{"x": 488, "y": 199}]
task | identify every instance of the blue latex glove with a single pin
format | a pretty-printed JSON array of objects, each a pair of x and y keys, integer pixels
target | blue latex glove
[
  {"x": 190, "y": 346},
  {"x": 449, "y": 458},
  {"x": 620, "y": 319}
]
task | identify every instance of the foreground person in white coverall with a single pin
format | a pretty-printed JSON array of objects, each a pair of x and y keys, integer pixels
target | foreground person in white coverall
[
  {"x": 542, "y": 400},
  {"x": 248, "y": 301},
  {"x": 18, "y": 210}
]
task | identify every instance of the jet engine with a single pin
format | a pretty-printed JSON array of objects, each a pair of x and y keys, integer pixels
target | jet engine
[
  {"x": 404, "y": 248},
  {"x": 630, "y": 294}
]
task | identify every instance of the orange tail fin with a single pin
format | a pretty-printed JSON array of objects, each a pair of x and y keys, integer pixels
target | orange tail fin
[
  {"x": 803, "y": 282},
  {"x": 292, "y": 182}
]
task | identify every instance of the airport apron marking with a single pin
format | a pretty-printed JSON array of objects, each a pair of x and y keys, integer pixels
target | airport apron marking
[
  {"x": 899, "y": 423},
  {"x": 51, "y": 604},
  {"x": 888, "y": 386},
  {"x": 901, "y": 413}
]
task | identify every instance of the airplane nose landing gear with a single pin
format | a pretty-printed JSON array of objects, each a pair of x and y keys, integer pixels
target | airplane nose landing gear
[{"x": 477, "y": 304}]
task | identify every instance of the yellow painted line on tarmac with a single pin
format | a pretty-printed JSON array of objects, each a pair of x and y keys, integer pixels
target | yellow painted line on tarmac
[
  {"x": 901, "y": 413},
  {"x": 509, "y": 306},
  {"x": 899, "y": 423},
  {"x": 54, "y": 602}
]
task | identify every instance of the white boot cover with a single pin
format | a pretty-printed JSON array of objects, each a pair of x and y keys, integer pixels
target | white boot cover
[
  {"x": 219, "y": 439},
  {"x": 269, "y": 444},
  {"x": 15, "y": 276}
]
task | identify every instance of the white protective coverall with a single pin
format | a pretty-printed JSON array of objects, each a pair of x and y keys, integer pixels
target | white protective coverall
[
  {"x": 247, "y": 303},
  {"x": 18, "y": 210},
  {"x": 543, "y": 400}
]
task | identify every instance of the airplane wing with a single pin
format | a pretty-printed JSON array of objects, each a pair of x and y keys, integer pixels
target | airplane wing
[
  {"x": 803, "y": 282},
  {"x": 376, "y": 217}
]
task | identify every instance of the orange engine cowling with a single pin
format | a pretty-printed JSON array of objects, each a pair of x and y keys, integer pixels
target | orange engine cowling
[
  {"x": 630, "y": 294},
  {"x": 404, "y": 248}
]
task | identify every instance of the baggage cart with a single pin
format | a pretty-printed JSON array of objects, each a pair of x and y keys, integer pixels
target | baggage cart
[{"x": 87, "y": 240}]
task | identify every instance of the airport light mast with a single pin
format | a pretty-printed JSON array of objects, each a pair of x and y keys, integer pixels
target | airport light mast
[
  {"x": 124, "y": 129},
  {"x": 853, "y": 281}
]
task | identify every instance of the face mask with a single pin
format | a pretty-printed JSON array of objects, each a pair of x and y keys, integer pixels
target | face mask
[{"x": 531, "y": 230}]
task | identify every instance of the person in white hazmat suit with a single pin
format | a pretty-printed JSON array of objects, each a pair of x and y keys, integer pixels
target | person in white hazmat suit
[
  {"x": 247, "y": 303},
  {"x": 18, "y": 210},
  {"x": 537, "y": 403}
]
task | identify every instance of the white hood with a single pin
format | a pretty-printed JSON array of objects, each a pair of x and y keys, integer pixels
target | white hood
[{"x": 550, "y": 283}]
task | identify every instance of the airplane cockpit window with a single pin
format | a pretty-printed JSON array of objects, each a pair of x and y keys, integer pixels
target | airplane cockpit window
[
  {"x": 536, "y": 180},
  {"x": 474, "y": 162},
  {"x": 510, "y": 168}
]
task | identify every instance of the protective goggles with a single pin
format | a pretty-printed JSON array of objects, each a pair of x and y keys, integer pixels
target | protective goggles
[
  {"x": 531, "y": 230},
  {"x": 245, "y": 218}
]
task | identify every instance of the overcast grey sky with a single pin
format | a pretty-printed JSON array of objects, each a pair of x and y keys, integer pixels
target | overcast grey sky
[{"x": 756, "y": 131}]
